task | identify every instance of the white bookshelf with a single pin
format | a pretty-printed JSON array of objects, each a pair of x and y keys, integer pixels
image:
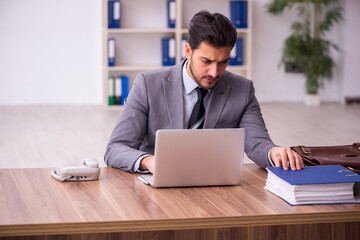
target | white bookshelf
[{"x": 144, "y": 23}]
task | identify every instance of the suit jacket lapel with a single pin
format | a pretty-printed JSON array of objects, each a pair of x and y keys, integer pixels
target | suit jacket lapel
[
  {"x": 217, "y": 101},
  {"x": 173, "y": 89}
]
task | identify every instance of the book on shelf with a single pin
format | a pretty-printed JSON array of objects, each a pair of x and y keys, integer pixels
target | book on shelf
[
  {"x": 111, "y": 51},
  {"x": 118, "y": 90},
  {"x": 236, "y": 54},
  {"x": 332, "y": 184},
  {"x": 124, "y": 88},
  {"x": 168, "y": 51},
  {"x": 171, "y": 13},
  {"x": 239, "y": 13},
  {"x": 114, "y": 14},
  {"x": 111, "y": 94}
]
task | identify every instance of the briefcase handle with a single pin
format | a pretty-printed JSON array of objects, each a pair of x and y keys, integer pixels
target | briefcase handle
[
  {"x": 357, "y": 145},
  {"x": 307, "y": 151}
]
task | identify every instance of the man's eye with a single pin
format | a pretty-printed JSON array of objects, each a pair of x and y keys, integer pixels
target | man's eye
[{"x": 207, "y": 61}]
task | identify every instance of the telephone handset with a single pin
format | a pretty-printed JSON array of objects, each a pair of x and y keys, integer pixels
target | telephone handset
[{"x": 87, "y": 171}]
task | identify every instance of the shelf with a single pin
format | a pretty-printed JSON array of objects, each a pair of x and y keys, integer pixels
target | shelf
[
  {"x": 242, "y": 30},
  {"x": 158, "y": 30},
  {"x": 141, "y": 30},
  {"x": 114, "y": 107},
  {"x": 137, "y": 68},
  {"x": 132, "y": 68},
  {"x": 238, "y": 30},
  {"x": 231, "y": 68}
]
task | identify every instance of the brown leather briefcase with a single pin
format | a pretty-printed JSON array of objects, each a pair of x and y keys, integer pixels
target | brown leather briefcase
[{"x": 346, "y": 155}]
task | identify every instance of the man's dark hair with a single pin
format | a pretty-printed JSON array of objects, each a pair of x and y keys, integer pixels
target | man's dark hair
[{"x": 214, "y": 29}]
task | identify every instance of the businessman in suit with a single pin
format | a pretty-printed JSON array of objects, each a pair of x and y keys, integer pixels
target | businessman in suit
[{"x": 165, "y": 99}]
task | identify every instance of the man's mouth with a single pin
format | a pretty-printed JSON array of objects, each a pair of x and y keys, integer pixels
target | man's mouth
[{"x": 210, "y": 79}]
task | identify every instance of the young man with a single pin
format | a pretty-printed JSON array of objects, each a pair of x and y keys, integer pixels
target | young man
[{"x": 165, "y": 98}]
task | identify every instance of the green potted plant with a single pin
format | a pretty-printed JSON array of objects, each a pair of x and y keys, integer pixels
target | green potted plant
[{"x": 306, "y": 48}]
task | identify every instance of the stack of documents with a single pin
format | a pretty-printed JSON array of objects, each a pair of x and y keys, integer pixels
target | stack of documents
[{"x": 314, "y": 185}]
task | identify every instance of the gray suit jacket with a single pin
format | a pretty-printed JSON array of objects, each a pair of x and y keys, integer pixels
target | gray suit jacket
[{"x": 156, "y": 102}]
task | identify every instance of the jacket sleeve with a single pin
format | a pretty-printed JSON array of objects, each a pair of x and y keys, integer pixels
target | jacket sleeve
[
  {"x": 257, "y": 139},
  {"x": 123, "y": 148}
]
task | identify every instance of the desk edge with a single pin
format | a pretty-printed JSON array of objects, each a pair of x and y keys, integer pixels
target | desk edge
[{"x": 176, "y": 224}]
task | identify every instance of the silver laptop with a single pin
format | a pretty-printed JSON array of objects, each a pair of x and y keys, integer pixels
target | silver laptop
[{"x": 199, "y": 157}]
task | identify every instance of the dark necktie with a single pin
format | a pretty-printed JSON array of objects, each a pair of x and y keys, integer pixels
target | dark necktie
[{"x": 198, "y": 112}]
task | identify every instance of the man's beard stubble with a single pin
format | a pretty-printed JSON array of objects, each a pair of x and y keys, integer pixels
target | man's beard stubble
[{"x": 196, "y": 79}]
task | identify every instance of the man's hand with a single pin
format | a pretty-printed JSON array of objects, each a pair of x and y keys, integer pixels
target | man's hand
[
  {"x": 283, "y": 156},
  {"x": 147, "y": 163}
]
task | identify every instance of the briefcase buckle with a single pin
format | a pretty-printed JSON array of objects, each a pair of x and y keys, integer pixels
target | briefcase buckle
[{"x": 306, "y": 150}]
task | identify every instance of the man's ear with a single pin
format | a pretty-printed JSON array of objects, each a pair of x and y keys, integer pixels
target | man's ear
[{"x": 188, "y": 51}]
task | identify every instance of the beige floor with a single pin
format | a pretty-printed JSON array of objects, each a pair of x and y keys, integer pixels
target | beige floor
[{"x": 47, "y": 136}]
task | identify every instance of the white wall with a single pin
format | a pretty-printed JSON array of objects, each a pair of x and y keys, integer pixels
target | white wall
[
  {"x": 269, "y": 32},
  {"x": 351, "y": 46},
  {"x": 50, "y": 52},
  {"x": 268, "y": 36}
]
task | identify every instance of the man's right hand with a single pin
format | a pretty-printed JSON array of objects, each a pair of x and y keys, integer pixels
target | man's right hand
[{"x": 147, "y": 163}]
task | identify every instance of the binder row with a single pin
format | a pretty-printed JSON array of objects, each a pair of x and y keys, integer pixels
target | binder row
[
  {"x": 168, "y": 48},
  {"x": 167, "y": 45},
  {"x": 239, "y": 13},
  {"x": 236, "y": 54},
  {"x": 118, "y": 90},
  {"x": 114, "y": 13}
]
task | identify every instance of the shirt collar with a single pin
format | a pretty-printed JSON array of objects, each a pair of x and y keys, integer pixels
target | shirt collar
[{"x": 189, "y": 83}]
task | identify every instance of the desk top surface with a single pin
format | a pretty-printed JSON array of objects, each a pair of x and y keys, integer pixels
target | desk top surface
[{"x": 31, "y": 199}]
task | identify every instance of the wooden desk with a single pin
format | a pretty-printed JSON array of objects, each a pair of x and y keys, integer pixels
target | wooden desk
[{"x": 119, "y": 206}]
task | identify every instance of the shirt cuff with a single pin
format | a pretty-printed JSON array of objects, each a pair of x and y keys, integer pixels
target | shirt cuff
[
  {"x": 136, "y": 167},
  {"x": 270, "y": 161}
]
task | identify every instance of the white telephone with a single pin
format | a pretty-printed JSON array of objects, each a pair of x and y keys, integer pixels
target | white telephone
[{"x": 89, "y": 170}]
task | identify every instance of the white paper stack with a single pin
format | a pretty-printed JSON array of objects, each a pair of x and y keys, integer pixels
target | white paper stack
[{"x": 313, "y": 185}]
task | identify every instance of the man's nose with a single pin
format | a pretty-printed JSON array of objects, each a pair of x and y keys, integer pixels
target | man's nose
[{"x": 213, "y": 70}]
